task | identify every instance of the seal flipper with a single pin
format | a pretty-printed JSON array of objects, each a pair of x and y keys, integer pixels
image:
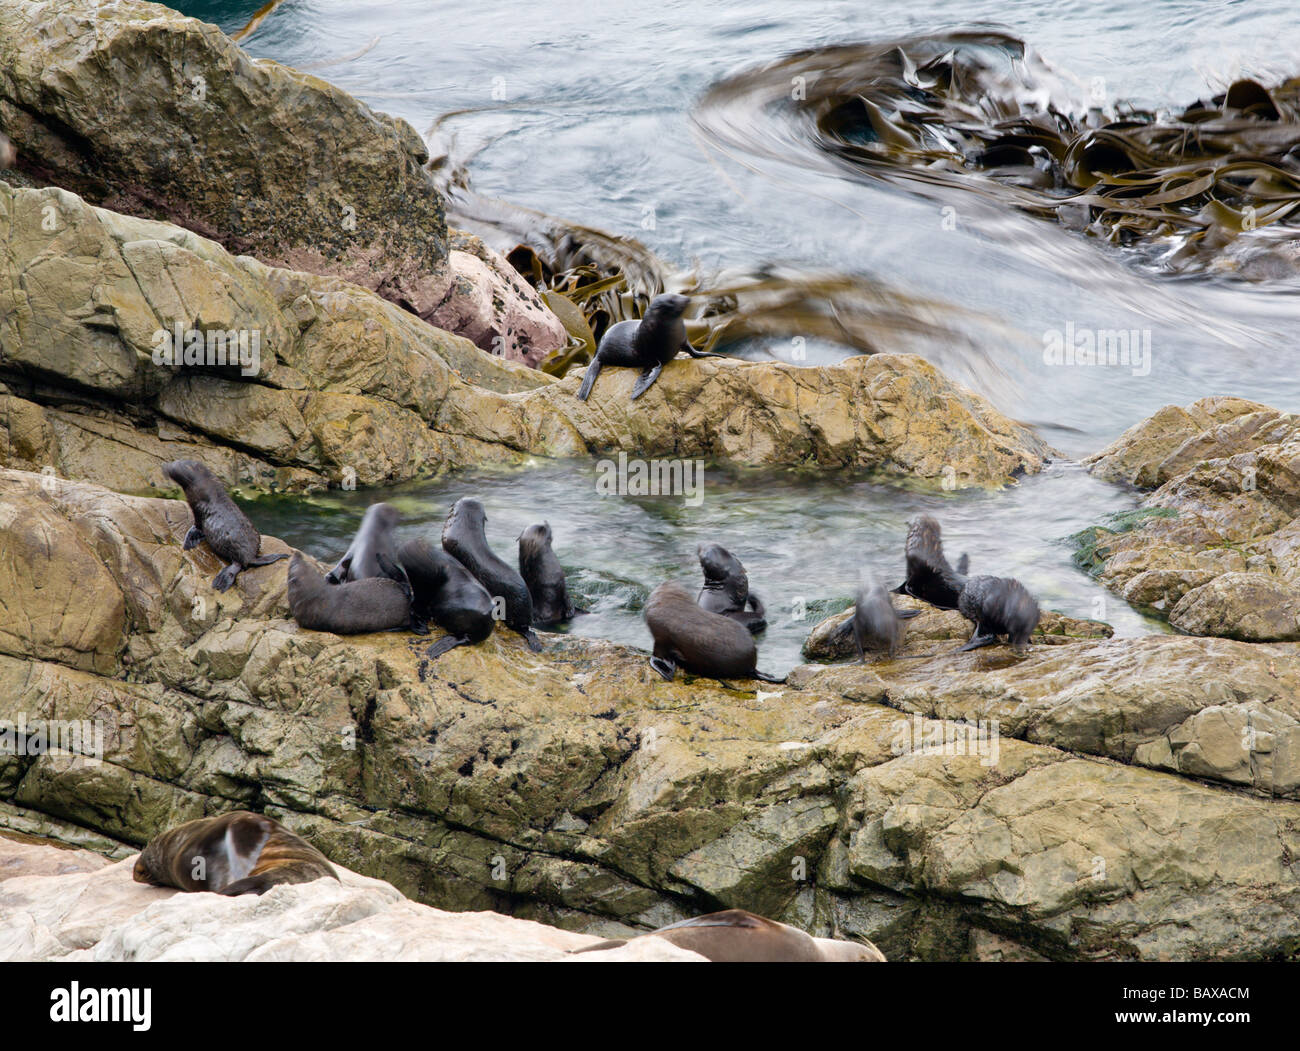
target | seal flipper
[
  {"x": 646, "y": 381},
  {"x": 226, "y": 578},
  {"x": 339, "y": 574},
  {"x": 247, "y": 885},
  {"x": 530, "y": 637},
  {"x": 764, "y": 677},
  {"x": 978, "y": 639},
  {"x": 963, "y": 564},
  {"x": 393, "y": 571},
  {"x": 686, "y": 346},
  {"x": 907, "y": 614},
  {"x": 192, "y": 539},
  {"x": 589, "y": 379},
  {"x": 665, "y": 667},
  {"x": 265, "y": 560},
  {"x": 447, "y": 642}
]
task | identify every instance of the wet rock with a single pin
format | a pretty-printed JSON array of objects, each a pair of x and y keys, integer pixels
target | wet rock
[
  {"x": 134, "y": 79},
  {"x": 1216, "y": 545}
]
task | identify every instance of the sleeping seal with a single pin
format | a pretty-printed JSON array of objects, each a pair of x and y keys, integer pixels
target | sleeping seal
[
  {"x": 544, "y": 577},
  {"x": 465, "y": 539},
  {"x": 229, "y": 533},
  {"x": 929, "y": 576},
  {"x": 236, "y": 853},
  {"x": 447, "y": 594},
  {"x": 998, "y": 606},
  {"x": 726, "y": 588},
  {"x": 354, "y": 608},
  {"x": 737, "y": 936},
  {"x": 648, "y": 344},
  {"x": 876, "y": 624},
  {"x": 703, "y": 643}
]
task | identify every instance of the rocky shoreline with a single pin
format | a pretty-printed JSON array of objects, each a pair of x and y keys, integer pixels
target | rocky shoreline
[{"x": 1098, "y": 799}]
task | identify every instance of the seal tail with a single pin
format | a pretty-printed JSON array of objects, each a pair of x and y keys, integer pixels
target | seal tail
[{"x": 589, "y": 379}]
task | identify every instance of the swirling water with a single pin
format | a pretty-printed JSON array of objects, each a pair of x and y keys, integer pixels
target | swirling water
[{"x": 589, "y": 112}]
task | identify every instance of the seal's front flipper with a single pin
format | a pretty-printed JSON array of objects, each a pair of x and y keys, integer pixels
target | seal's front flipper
[
  {"x": 963, "y": 564},
  {"x": 265, "y": 560},
  {"x": 763, "y": 677},
  {"x": 666, "y": 668},
  {"x": 393, "y": 571},
  {"x": 418, "y": 625},
  {"x": 907, "y": 614},
  {"x": 223, "y": 580},
  {"x": 977, "y": 640},
  {"x": 339, "y": 574},
  {"x": 589, "y": 380},
  {"x": 192, "y": 539},
  {"x": 756, "y": 623},
  {"x": 530, "y": 637},
  {"x": 247, "y": 885},
  {"x": 646, "y": 381},
  {"x": 447, "y": 642}
]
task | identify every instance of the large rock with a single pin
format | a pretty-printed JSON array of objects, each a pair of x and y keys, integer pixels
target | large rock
[
  {"x": 349, "y": 386},
  {"x": 59, "y": 903},
  {"x": 575, "y": 787},
  {"x": 145, "y": 111},
  {"x": 1216, "y": 545}
]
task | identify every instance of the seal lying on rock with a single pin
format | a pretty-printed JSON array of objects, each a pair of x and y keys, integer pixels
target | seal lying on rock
[
  {"x": 998, "y": 606},
  {"x": 237, "y": 853},
  {"x": 648, "y": 344},
  {"x": 229, "y": 533},
  {"x": 929, "y": 576},
  {"x": 737, "y": 936},
  {"x": 703, "y": 643},
  {"x": 544, "y": 577},
  {"x": 726, "y": 588},
  {"x": 447, "y": 594},
  {"x": 876, "y": 624},
  {"x": 464, "y": 537},
  {"x": 354, "y": 608}
]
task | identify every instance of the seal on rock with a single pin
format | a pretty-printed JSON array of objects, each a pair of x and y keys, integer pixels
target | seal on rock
[
  {"x": 354, "y": 608},
  {"x": 876, "y": 624},
  {"x": 998, "y": 606},
  {"x": 929, "y": 576},
  {"x": 229, "y": 533},
  {"x": 648, "y": 344},
  {"x": 701, "y": 642},
  {"x": 737, "y": 936},
  {"x": 236, "y": 853},
  {"x": 544, "y": 577},
  {"x": 373, "y": 551},
  {"x": 464, "y": 537},
  {"x": 726, "y": 588},
  {"x": 447, "y": 594}
]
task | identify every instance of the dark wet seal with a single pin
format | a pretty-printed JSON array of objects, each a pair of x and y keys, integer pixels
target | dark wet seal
[
  {"x": 698, "y": 641},
  {"x": 357, "y": 607},
  {"x": 930, "y": 578},
  {"x": 447, "y": 594},
  {"x": 998, "y": 606},
  {"x": 464, "y": 537},
  {"x": 544, "y": 577},
  {"x": 726, "y": 588}
]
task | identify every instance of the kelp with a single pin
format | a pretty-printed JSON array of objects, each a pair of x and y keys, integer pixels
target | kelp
[
  {"x": 980, "y": 112},
  {"x": 592, "y": 279}
]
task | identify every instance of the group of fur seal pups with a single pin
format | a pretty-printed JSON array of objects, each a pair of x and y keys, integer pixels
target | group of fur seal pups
[{"x": 997, "y": 606}]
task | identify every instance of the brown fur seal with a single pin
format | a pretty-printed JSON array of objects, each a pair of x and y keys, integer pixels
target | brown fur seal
[
  {"x": 998, "y": 606},
  {"x": 544, "y": 577},
  {"x": 929, "y": 576},
  {"x": 648, "y": 344},
  {"x": 464, "y": 537},
  {"x": 373, "y": 551},
  {"x": 737, "y": 936},
  {"x": 354, "y": 608},
  {"x": 876, "y": 624},
  {"x": 726, "y": 588},
  {"x": 703, "y": 643},
  {"x": 447, "y": 594},
  {"x": 229, "y": 533},
  {"x": 238, "y": 853}
]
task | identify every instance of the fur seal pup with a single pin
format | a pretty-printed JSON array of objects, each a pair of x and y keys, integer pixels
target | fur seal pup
[
  {"x": 648, "y": 344},
  {"x": 544, "y": 577},
  {"x": 373, "y": 551},
  {"x": 229, "y": 533},
  {"x": 998, "y": 606},
  {"x": 447, "y": 594},
  {"x": 465, "y": 539},
  {"x": 929, "y": 576},
  {"x": 726, "y": 588},
  {"x": 737, "y": 936},
  {"x": 703, "y": 643},
  {"x": 876, "y": 624},
  {"x": 354, "y": 608},
  {"x": 237, "y": 853}
]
